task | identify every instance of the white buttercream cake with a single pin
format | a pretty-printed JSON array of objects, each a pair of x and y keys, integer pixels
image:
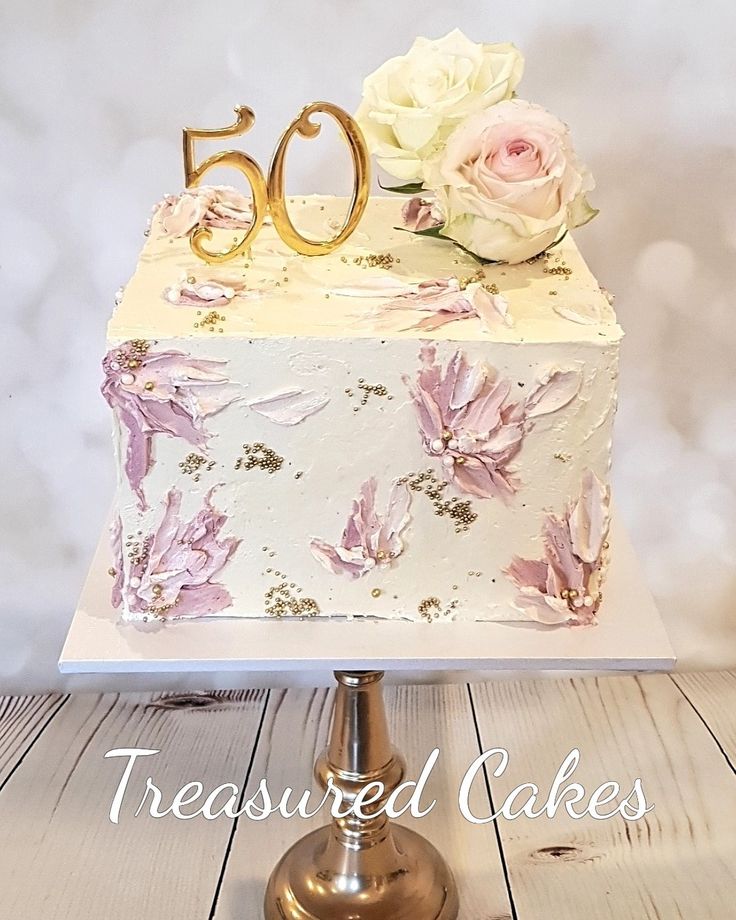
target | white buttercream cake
[{"x": 391, "y": 430}]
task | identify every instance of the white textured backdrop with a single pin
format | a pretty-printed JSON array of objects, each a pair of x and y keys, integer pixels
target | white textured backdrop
[{"x": 92, "y": 99}]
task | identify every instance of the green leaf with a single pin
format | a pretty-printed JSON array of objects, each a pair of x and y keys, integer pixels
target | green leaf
[
  {"x": 436, "y": 233},
  {"x": 474, "y": 255},
  {"x": 430, "y": 231},
  {"x": 557, "y": 242},
  {"x": 411, "y": 188}
]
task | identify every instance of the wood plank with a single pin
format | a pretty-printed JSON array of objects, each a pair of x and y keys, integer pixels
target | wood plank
[
  {"x": 713, "y": 694},
  {"x": 22, "y": 720},
  {"x": 420, "y": 718},
  {"x": 294, "y": 732},
  {"x": 677, "y": 861},
  {"x": 60, "y": 856}
]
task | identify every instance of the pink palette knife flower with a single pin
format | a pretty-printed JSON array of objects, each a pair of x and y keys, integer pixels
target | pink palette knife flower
[
  {"x": 164, "y": 392},
  {"x": 468, "y": 420},
  {"x": 565, "y": 585},
  {"x": 203, "y": 206},
  {"x": 370, "y": 539},
  {"x": 172, "y": 571}
]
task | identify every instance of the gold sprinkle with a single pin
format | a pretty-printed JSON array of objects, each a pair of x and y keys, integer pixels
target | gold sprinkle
[
  {"x": 376, "y": 592},
  {"x": 261, "y": 456},
  {"x": 193, "y": 463},
  {"x": 280, "y": 601},
  {"x": 375, "y": 260}
]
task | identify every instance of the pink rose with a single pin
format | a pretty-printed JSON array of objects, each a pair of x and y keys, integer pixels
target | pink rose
[{"x": 509, "y": 183}]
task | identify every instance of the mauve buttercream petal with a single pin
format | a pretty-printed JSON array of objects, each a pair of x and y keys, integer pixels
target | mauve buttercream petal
[
  {"x": 565, "y": 566},
  {"x": 543, "y": 608},
  {"x": 201, "y": 601},
  {"x": 528, "y": 573},
  {"x": 590, "y": 518}
]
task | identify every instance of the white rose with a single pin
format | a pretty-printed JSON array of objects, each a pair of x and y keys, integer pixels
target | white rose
[
  {"x": 508, "y": 182},
  {"x": 412, "y": 103}
]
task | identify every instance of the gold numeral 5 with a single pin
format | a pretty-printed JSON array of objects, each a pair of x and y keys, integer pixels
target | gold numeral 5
[
  {"x": 270, "y": 195},
  {"x": 241, "y": 161}
]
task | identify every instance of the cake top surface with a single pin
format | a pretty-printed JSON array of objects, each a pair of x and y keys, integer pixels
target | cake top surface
[{"x": 369, "y": 287}]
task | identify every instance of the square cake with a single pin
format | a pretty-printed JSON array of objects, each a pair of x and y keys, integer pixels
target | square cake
[{"x": 392, "y": 430}]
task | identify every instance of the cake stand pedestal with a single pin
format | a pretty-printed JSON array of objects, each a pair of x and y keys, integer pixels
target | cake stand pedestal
[
  {"x": 364, "y": 868},
  {"x": 368, "y": 869}
]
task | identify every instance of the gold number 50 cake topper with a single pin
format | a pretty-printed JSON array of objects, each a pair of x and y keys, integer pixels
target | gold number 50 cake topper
[{"x": 269, "y": 194}]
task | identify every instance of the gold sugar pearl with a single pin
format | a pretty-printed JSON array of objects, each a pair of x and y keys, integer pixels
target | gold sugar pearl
[{"x": 261, "y": 456}]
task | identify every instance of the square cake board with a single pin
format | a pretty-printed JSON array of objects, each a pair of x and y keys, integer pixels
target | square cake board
[{"x": 630, "y": 636}]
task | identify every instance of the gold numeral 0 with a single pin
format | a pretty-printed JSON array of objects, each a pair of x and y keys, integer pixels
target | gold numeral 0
[
  {"x": 270, "y": 195},
  {"x": 276, "y": 183}
]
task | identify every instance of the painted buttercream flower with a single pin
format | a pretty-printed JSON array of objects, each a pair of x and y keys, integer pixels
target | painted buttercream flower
[
  {"x": 444, "y": 299},
  {"x": 447, "y": 300},
  {"x": 468, "y": 421},
  {"x": 171, "y": 574},
  {"x": 565, "y": 586},
  {"x": 509, "y": 183},
  {"x": 413, "y": 102},
  {"x": 203, "y": 206},
  {"x": 419, "y": 214},
  {"x": 370, "y": 539},
  {"x": 208, "y": 293},
  {"x": 165, "y": 392}
]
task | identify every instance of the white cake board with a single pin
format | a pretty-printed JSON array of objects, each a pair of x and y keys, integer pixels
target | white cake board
[{"x": 630, "y": 636}]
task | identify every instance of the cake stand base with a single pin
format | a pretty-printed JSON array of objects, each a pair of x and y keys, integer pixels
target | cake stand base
[{"x": 361, "y": 868}]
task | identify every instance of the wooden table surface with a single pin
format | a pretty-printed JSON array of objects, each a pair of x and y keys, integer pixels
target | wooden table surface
[{"x": 61, "y": 857}]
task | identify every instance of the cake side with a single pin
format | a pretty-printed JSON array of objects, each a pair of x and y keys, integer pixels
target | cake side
[{"x": 324, "y": 456}]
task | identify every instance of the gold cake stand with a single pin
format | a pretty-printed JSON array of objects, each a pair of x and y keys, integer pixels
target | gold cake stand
[{"x": 361, "y": 869}]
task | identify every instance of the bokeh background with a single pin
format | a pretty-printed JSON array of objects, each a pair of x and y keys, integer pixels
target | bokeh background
[{"x": 92, "y": 99}]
